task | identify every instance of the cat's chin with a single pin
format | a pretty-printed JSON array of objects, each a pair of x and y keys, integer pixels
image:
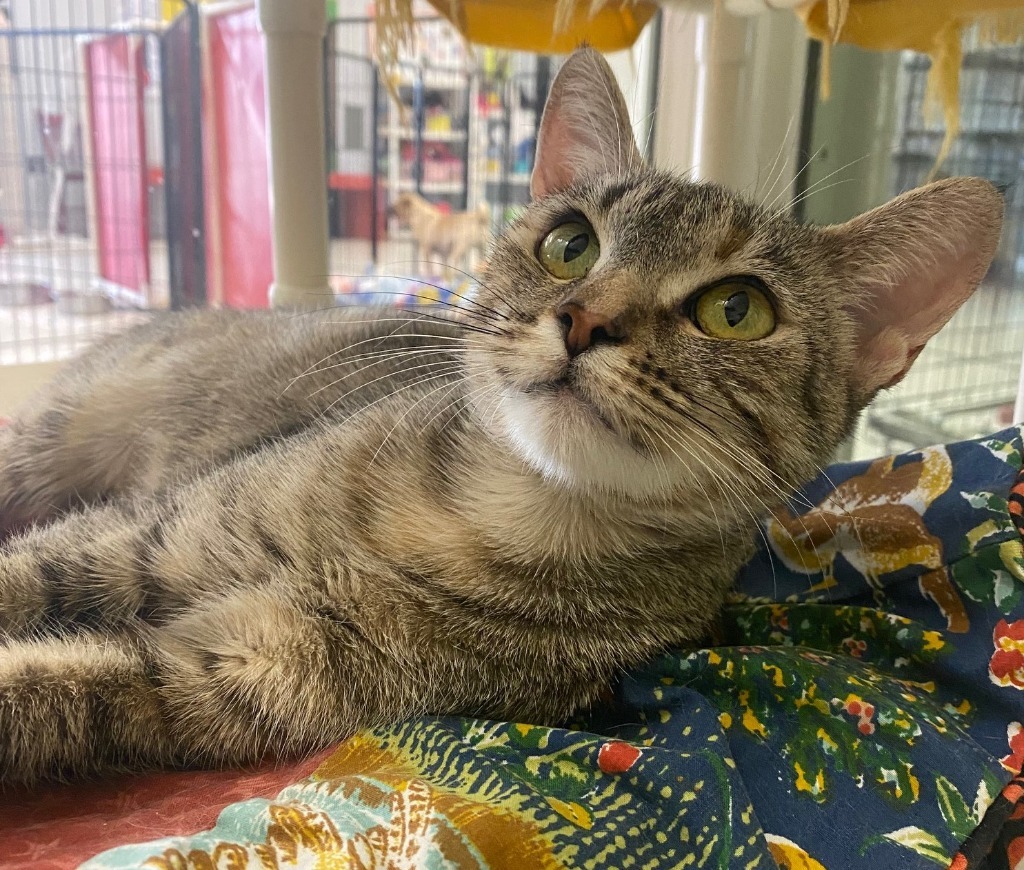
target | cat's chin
[{"x": 568, "y": 441}]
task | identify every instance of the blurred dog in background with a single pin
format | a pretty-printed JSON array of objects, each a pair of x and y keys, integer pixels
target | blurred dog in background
[{"x": 447, "y": 238}]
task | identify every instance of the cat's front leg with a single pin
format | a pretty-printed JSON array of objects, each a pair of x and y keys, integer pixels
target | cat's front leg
[
  {"x": 20, "y": 501},
  {"x": 273, "y": 672},
  {"x": 248, "y": 675},
  {"x": 44, "y": 473},
  {"x": 89, "y": 570},
  {"x": 73, "y": 707}
]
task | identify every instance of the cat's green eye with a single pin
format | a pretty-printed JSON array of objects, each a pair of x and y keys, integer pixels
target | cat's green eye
[
  {"x": 569, "y": 250},
  {"x": 734, "y": 310}
]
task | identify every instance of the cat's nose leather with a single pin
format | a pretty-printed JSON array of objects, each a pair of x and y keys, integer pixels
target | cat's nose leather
[{"x": 582, "y": 328}]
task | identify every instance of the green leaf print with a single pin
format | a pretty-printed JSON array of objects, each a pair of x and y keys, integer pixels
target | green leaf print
[
  {"x": 987, "y": 500},
  {"x": 992, "y": 572},
  {"x": 918, "y": 841},
  {"x": 957, "y": 815},
  {"x": 960, "y": 819},
  {"x": 1005, "y": 450},
  {"x": 829, "y": 716}
]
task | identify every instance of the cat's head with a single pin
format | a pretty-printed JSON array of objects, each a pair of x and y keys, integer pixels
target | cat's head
[{"x": 659, "y": 335}]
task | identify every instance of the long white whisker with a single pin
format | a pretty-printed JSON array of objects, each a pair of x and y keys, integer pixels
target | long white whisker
[
  {"x": 455, "y": 367},
  {"x": 379, "y": 357},
  {"x": 411, "y": 408},
  {"x": 389, "y": 395},
  {"x": 379, "y": 338},
  {"x": 756, "y": 522},
  {"x": 710, "y": 501}
]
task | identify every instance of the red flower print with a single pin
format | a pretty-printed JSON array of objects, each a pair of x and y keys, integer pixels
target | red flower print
[
  {"x": 1015, "y": 852},
  {"x": 1011, "y": 630},
  {"x": 1006, "y": 667},
  {"x": 855, "y": 647},
  {"x": 863, "y": 712},
  {"x": 1013, "y": 792},
  {"x": 617, "y": 757},
  {"x": 1015, "y": 739}
]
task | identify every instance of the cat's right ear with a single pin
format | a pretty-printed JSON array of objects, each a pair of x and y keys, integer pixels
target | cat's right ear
[{"x": 585, "y": 129}]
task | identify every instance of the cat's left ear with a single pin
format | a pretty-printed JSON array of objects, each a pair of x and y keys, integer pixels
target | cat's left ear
[
  {"x": 585, "y": 129},
  {"x": 911, "y": 264}
]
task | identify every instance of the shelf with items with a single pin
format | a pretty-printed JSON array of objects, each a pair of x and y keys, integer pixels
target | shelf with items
[
  {"x": 441, "y": 188},
  {"x": 510, "y": 116},
  {"x": 460, "y": 138},
  {"x": 434, "y": 79},
  {"x": 431, "y": 163},
  {"x": 425, "y": 143}
]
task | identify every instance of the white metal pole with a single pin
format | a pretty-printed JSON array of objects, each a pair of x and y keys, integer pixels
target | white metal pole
[
  {"x": 725, "y": 75},
  {"x": 294, "y": 32}
]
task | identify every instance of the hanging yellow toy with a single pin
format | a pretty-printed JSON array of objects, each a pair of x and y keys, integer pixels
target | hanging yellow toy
[
  {"x": 546, "y": 26},
  {"x": 932, "y": 27}
]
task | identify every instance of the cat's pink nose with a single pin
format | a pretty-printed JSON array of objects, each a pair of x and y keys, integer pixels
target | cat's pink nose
[{"x": 583, "y": 328}]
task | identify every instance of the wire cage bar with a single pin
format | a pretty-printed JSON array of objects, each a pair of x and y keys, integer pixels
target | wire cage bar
[
  {"x": 128, "y": 179},
  {"x": 80, "y": 139},
  {"x": 965, "y": 381}
]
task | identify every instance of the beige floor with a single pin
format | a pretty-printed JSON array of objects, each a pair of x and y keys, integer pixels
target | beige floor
[
  {"x": 19, "y": 382},
  {"x": 36, "y": 333}
]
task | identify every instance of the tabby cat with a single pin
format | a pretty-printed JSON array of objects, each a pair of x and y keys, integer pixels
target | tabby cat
[{"x": 244, "y": 536}]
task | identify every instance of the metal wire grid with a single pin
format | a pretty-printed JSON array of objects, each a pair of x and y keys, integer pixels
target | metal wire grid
[
  {"x": 965, "y": 381},
  {"x": 50, "y": 247},
  {"x": 48, "y": 304}
]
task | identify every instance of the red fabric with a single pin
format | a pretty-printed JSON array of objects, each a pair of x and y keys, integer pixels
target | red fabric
[
  {"x": 62, "y": 826},
  {"x": 114, "y": 67},
  {"x": 238, "y": 189}
]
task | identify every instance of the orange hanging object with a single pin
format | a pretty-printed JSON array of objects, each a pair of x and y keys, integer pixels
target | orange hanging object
[
  {"x": 530, "y": 25},
  {"x": 932, "y": 27},
  {"x": 892, "y": 25}
]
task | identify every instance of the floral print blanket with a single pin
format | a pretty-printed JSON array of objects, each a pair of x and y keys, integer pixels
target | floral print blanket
[{"x": 860, "y": 707}]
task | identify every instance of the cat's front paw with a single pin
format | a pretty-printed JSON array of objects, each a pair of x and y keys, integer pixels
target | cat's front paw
[{"x": 76, "y": 707}]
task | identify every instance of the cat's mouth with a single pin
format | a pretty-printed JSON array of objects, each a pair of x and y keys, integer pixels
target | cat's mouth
[
  {"x": 563, "y": 384},
  {"x": 566, "y": 388}
]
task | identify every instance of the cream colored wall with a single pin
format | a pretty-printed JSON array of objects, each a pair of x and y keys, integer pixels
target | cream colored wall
[
  {"x": 852, "y": 136},
  {"x": 19, "y": 382}
]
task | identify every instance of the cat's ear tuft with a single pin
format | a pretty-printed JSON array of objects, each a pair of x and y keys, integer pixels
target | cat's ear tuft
[
  {"x": 585, "y": 129},
  {"x": 911, "y": 264}
]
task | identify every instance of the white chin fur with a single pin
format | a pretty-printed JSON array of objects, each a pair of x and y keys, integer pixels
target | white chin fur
[{"x": 561, "y": 439}]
